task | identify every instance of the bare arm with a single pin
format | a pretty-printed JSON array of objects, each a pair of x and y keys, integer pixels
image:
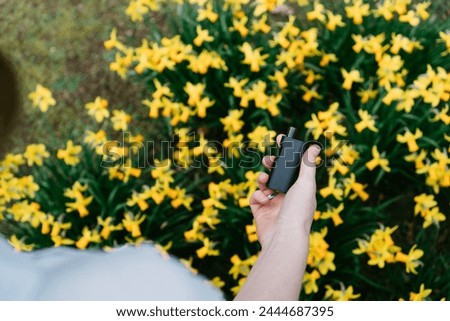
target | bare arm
[{"x": 283, "y": 226}]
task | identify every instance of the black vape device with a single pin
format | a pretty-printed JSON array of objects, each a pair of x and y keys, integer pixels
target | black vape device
[{"x": 286, "y": 167}]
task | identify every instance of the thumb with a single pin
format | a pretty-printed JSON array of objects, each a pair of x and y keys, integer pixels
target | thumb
[{"x": 308, "y": 166}]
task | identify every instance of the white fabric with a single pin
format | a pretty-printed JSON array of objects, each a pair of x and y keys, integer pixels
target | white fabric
[{"x": 126, "y": 273}]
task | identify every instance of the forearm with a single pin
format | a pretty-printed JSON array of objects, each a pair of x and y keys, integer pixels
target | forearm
[{"x": 277, "y": 274}]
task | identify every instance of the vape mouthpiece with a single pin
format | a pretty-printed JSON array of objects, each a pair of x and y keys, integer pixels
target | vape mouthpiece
[{"x": 291, "y": 132}]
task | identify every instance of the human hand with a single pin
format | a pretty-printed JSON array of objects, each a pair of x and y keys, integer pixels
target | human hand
[{"x": 291, "y": 213}]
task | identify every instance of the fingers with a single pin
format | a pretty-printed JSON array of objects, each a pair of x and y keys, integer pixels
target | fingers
[
  {"x": 262, "y": 181},
  {"x": 279, "y": 139},
  {"x": 258, "y": 198},
  {"x": 267, "y": 161},
  {"x": 308, "y": 166}
]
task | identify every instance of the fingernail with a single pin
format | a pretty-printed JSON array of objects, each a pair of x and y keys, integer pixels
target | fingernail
[{"x": 315, "y": 150}]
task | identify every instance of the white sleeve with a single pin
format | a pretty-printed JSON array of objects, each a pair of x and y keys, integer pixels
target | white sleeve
[
  {"x": 17, "y": 279},
  {"x": 125, "y": 274},
  {"x": 128, "y": 273}
]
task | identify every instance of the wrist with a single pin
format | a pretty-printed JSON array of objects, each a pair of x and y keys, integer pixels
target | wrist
[{"x": 293, "y": 236}]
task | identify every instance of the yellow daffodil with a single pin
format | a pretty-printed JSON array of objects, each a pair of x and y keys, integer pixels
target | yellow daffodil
[
  {"x": 120, "y": 120},
  {"x": 194, "y": 233},
  {"x": 233, "y": 144},
  {"x": 161, "y": 90},
  {"x": 251, "y": 232},
  {"x": 202, "y": 36},
  {"x": 442, "y": 116},
  {"x": 333, "y": 213},
  {"x": 80, "y": 205},
  {"x": 378, "y": 160},
  {"x": 334, "y": 20},
  {"x": 88, "y": 236},
  {"x": 279, "y": 77},
  {"x": 327, "y": 58},
  {"x": 423, "y": 202},
  {"x": 235, "y": 289},
  {"x": 207, "y": 12},
  {"x": 401, "y": 42},
  {"x": 357, "y": 11},
  {"x": 42, "y": 98},
  {"x": 411, "y": 259},
  {"x": 310, "y": 94},
  {"x": 20, "y": 245},
  {"x": 12, "y": 162},
  {"x": 318, "y": 12},
  {"x": 389, "y": 69},
  {"x": 58, "y": 240},
  {"x": 360, "y": 43},
  {"x": 260, "y": 25},
  {"x": 131, "y": 223},
  {"x": 137, "y": 9},
  {"x": 367, "y": 121},
  {"x": 445, "y": 38},
  {"x": 327, "y": 121},
  {"x": 35, "y": 154},
  {"x": 400, "y": 6},
  {"x": 311, "y": 76},
  {"x": 209, "y": 217},
  {"x": 207, "y": 249},
  {"x": 59, "y": 228},
  {"x": 264, "y": 6},
  {"x": 112, "y": 42},
  {"x": 319, "y": 257},
  {"x": 410, "y": 17},
  {"x": 107, "y": 227},
  {"x": 342, "y": 294},
  {"x": 332, "y": 189},
  {"x": 121, "y": 63},
  {"x": 357, "y": 188},
  {"x": 202, "y": 105},
  {"x": 70, "y": 155},
  {"x": 25, "y": 211},
  {"x": 253, "y": 57},
  {"x": 232, "y": 122},
  {"x": 240, "y": 25},
  {"x": 95, "y": 138},
  {"x": 418, "y": 159},
  {"x": 350, "y": 78},
  {"x": 426, "y": 206},
  {"x": 195, "y": 92},
  {"x": 393, "y": 94},
  {"x": 433, "y": 216},
  {"x": 237, "y": 86},
  {"x": 408, "y": 100},
  {"x": 410, "y": 139},
  {"x": 421, "y": 295},
  {"x": 310, "y": 282},
  {"x": 261, "y": 137},
  {"x": 385, "y": 10},
  {"x": 217, "y": 282},
  {"x": 367, "y": 94},
  {"x": 380, "y": 248},
  {"x": 241, "y": 267},
  {"x": 179, "y": 197},
  {"x": 139, "y": 199},
  {"x": 98, "y": 109}
]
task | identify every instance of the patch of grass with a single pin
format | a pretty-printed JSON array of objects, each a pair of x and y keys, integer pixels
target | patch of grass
[{"x": 59, "y": 44}]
